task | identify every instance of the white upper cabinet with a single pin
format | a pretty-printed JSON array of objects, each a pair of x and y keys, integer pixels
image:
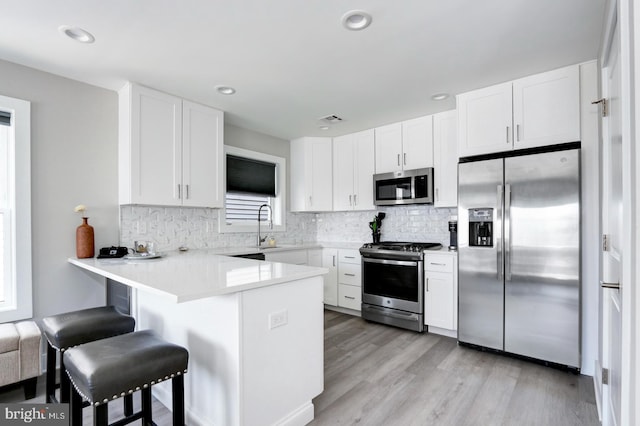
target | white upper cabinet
[
  {"x": 388, "y": 148},
  {"x": 445, "y": 159},
  {"x": 484, "y": 120},
  {"x": 170, "y": 151},
  {"x": 311, "y": 174},
  {"x": 404, "y": 146},
  {"x": 202, "y": 156},
  {"x": 353, "y": 168},
  {"x": 543, "y": 109},
  {"x": 546, "y": 108},
  {"x": 417, "y": 143}
]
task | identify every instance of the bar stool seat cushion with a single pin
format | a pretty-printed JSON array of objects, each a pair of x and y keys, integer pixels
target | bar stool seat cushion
[
  {"x": 108, "y": 369},
  {"x": 75, "y": 328}
]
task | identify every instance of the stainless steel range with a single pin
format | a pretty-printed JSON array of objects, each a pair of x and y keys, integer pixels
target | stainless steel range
[{"x": 393, "y": 283}]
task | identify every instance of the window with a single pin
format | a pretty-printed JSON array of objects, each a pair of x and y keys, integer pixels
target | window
[
  {"x": 15, "y": 210},
  {"x": 251, "y": 180}
]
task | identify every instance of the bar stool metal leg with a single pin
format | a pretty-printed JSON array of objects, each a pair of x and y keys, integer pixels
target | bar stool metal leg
[
  {"x": 128, "y": 405},
  {"x": 76, "y": 408},
  {"x": 147, "y": 409},
  {"x": 51, "y": 374},
  {"x": 177, "y": 384},
  {"x": 65, "y": 383},
  {"x": 101, "y": 415}
]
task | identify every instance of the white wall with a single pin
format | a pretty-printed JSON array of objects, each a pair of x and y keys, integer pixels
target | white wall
[{"x": 73, "y": 161}]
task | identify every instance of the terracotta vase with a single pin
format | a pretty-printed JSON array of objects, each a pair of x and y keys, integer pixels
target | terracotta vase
[{"x": 84, "y": 240}]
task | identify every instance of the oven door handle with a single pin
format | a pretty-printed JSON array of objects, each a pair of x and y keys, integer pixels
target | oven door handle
[{"x": 391, "y": 262}]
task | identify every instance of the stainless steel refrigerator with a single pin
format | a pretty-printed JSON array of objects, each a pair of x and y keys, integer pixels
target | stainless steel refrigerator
[{"x": 519, "y": 255}]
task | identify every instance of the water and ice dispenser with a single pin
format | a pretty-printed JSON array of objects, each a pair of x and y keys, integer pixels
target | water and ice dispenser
[{"x": 481, "y": 227}]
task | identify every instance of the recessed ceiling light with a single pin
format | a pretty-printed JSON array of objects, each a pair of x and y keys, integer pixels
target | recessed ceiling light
[
  {"x": 356, "y": 20},
  {"x": 323, "y": 127},
  {"x": 440, "y": 96},
  {"x": 225, "y": 90},
  {"x": 77, "y": 34}
]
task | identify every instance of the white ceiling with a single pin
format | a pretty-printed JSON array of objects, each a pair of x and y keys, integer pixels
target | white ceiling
[{"x": 292, "y": 62}]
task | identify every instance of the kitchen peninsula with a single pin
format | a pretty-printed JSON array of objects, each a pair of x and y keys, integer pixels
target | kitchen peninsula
[{"x": 254, "y": 331}]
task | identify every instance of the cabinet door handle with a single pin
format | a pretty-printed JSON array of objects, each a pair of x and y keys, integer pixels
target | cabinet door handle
[
  {"x": 426, "y": 282},
  {"x": 350, "y": 275},
  {"x": 398, "y": 159},
  {"x": 179, "y": 191},
  {"x": 438, "y": 264},
  {"x": 355, "y": 199},
  {"x": 334, "y": 260},
  {"x": 310, "y": 202},
  {"x": 404, "y": 158},
  {"x": 350, "y": 297},
  {"x": 187, "y": 192},
  {"x": 349, "y": 257},
  {"x": 350, "y": 203},
  {"x": 517, "y": 133},
  {"x": 437, "y": 196},
  {"x": 508, "y": 134}
]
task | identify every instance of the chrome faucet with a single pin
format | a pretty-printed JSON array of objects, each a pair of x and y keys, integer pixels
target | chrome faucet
[{"x": 262, "y": 240}]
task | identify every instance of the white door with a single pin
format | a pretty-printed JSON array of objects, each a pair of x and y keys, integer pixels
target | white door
[{"x": 613, "y": 185}]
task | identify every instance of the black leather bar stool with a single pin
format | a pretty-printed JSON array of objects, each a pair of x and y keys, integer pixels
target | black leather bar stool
[
  {"x": 108, "y": 369},
  {"x": 70, "y": 329}
]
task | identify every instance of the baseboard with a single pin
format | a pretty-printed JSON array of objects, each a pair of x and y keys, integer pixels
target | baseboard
[
  {"x": 343, "y": 310},
  {"x": 299, "y": 417}
]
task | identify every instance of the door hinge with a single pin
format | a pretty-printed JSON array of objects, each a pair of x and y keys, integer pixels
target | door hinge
[
  {"x": 605, "y": 376},
  {"x": 605, "y": 242},
  {"x": 602, "y": 101}
]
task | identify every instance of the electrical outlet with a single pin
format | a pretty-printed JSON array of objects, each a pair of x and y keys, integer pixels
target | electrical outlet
[{"x": 278, "y": 319}]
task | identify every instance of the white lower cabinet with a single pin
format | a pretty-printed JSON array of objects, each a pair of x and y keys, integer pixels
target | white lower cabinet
[
  {"x": 441, "y": 290},
  {"x": 349, "y": 296},
  {"x": 330, "y": 261},
  {"x": 349, "y": 279}
]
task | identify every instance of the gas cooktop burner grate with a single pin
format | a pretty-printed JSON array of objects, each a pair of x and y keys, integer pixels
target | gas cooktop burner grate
[{"x": 401, "y": 246}]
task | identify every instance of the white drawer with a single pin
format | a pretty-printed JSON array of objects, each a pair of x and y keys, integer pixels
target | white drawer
[
  {"x": 349, "y": 297},
  {"x": 349, "y": 273},
  {"x": 439, "y": 263},
  {"x": 349, "y": 256}
]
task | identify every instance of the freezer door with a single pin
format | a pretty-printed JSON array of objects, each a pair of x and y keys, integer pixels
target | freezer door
[
  {"x": 542, "y": 256},
  {"x": 480, "y": 266}
]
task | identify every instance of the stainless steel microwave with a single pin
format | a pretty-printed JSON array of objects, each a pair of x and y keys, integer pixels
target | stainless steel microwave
[{"x": 405, "y": 187}]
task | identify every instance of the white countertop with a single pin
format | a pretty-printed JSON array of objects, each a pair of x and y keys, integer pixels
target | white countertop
[{"x": 197, "y": 274}]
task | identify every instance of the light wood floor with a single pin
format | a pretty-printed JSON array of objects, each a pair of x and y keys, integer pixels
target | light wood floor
[{"x": 380, "y": 375}]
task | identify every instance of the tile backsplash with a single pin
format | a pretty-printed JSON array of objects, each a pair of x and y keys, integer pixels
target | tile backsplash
[{"x": 197, "y": 228}]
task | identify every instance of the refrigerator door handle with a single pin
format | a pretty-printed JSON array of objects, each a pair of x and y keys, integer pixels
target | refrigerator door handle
[
  {"x": 498, "y": 239},
  {"x": 507, "y": 232}
]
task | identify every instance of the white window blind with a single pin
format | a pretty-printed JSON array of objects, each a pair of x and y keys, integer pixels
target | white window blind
[{"x": 242, "y": 207}]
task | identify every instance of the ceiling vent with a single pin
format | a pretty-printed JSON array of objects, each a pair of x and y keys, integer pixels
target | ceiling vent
[{"x": 331, "y": 119}]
